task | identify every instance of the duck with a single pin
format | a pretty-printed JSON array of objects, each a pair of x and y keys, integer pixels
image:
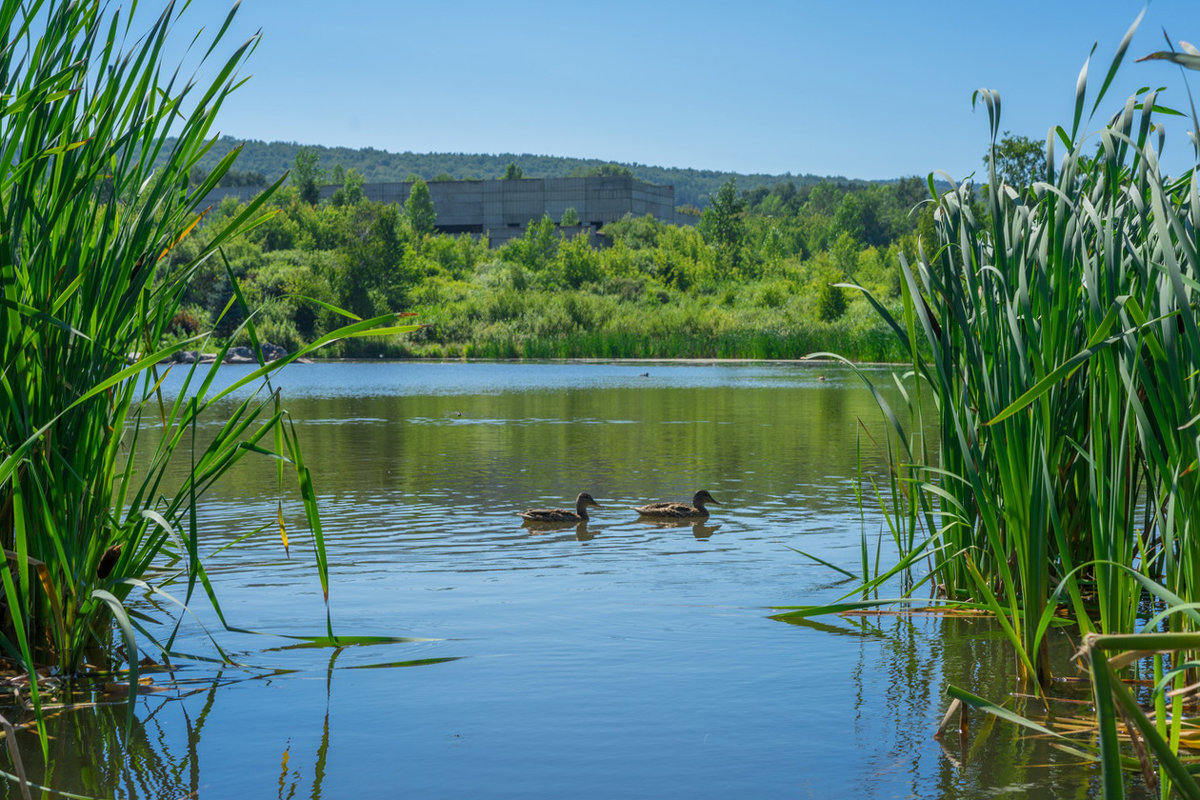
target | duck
[
  {"x": 678, "y": 510},
  {"x": 582, "y": 501}
]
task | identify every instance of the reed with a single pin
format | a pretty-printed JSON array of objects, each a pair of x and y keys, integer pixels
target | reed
[
  {"x": 1063, "y": 357},
  {"x": 1054, "y": 328},
  {"x": 99, "y": 139}
]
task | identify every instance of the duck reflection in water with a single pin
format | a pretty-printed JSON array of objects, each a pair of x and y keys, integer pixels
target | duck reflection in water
[
  {"x": 582, "y": 532},
  {"x": 700, "y": 528}
]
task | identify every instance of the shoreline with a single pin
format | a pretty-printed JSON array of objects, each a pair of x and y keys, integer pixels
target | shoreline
[{"x": 602, "y": 360}]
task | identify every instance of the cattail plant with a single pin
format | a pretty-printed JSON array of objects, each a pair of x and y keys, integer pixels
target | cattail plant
[{"x": 98, "y": 140}]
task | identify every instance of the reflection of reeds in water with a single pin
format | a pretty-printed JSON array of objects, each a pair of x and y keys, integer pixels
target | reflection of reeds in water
[
  {"x": 93, "y": 753},
  {"x": 912, "y": 659},
  {"x": 97, "y": 750}
]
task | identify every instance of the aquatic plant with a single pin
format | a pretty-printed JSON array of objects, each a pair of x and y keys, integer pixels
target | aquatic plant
[
  {"x": 1054, "y": 327},
  {"x": 99, "y": 140},
  {"x": 1159, "y": 734}
]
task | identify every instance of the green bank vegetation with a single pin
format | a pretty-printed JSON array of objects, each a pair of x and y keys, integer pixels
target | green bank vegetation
[
  {"x": 756, "y": 277},
  {"x": 1056, "y": 335},
  {"x": 93, "y": 278}
]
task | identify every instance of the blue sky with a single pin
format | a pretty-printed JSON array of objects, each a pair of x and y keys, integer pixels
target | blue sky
[{"x": 861, "y": 88}]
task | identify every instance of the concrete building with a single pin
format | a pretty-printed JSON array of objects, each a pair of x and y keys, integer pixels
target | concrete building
[{"x": 502, "y": 209}]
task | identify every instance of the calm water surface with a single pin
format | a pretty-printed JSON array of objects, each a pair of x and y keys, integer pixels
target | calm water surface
[{"x": 616, "y": 659}]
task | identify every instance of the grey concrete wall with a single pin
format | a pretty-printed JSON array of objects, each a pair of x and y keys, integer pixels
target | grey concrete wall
[{"x": 498, "y": 205}]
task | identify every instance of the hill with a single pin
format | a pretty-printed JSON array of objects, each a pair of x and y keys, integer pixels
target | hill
[{"x": 692, "y": 186}]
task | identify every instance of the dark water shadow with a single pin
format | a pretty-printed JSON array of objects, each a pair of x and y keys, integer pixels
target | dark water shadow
[
  {"x": 582, "y": 530},
  {"x": 700, "y": 527}
]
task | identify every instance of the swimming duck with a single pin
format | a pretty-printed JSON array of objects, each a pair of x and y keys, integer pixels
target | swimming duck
[
  {"x": 582, "y": 501},
  {"x": 677, "y": 510}
]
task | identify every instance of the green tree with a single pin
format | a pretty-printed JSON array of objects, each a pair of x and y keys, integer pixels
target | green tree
[
  {"x": 845, "y": 255},
  {"x": 773, "y": 246},
  {"x": 536, "y": 249},
  {"x": 1019, "y": 160},
  {"x": 578, "y": 262},
  {"x": 243, "y": 178},
  {"x": 351, "y": 192},
  {"x": 723, "y": 226},
  {"x": 570, "y": 218},
  {"x": 831, "y": 299},
  {"x": 368, "y": 278},
  {"x": 418, "y": 208},
  {"x": 609, "y": 171},
  {"x": 307, "y": 175},
  {"x": 513, "y": 173},
  {"x": 865, "y": 215},
  {"x": 823, "y": 199}
]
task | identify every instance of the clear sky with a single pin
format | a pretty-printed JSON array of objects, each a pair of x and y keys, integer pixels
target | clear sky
[{"x": 861, "y": 88}]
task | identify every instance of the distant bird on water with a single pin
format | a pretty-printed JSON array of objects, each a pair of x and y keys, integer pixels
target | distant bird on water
[
  {"x": 561, "y": 514},
  {"x": 670, "y": 510}
]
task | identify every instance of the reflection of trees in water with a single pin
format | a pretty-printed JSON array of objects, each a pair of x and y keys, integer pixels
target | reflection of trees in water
[{"x": 486, "y": 449}]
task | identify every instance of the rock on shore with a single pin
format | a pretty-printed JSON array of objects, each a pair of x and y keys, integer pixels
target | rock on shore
[{"x": 235, "y": 355}]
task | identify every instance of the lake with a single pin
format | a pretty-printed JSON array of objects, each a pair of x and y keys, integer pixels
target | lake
[{"x": 613, "y": 659}]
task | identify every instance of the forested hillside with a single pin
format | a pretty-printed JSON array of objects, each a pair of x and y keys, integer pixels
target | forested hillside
[{"x": 692, "y": 186}]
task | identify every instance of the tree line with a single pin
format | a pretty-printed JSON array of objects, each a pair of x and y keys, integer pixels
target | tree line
[
  {"x": 692, "y": 186},
  {"x": 758, "y": 276}
]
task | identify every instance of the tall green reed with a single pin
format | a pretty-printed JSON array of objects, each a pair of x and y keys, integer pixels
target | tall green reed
[
  {"x": 99, "y": 140},
  {"x": 1054, "y": 327}
]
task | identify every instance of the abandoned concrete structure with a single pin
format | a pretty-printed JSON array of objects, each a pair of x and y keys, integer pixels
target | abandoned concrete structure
[{"x": 503, "y": 208}]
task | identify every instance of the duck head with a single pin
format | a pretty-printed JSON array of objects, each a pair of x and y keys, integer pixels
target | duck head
[{"x": 585, "y": 499}]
